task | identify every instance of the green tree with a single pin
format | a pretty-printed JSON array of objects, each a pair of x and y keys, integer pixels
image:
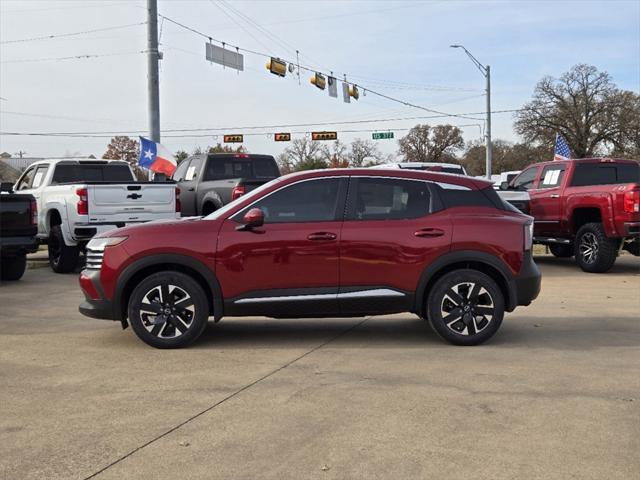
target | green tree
[
  {"x": 127, "y": 149},
  {"x": 424, "y": 143},
  {"x": 585, "y": 107},
  {"x": 180, "y": 156}
]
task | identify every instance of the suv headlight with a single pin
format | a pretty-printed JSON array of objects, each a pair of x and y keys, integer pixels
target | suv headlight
[{"x": 100, "y": 244}]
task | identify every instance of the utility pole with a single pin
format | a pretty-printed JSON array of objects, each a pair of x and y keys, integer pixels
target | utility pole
[
  {"x": 489, "y": 146},
  {"x": 153, "y": 56},
  {"x": 486, "y": 71}
]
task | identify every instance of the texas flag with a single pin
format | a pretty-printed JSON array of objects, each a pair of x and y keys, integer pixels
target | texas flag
[{"x": 155, "y": 157}]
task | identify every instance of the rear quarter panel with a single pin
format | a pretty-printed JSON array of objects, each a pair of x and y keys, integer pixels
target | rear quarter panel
[{"x": 487, "y": 230}]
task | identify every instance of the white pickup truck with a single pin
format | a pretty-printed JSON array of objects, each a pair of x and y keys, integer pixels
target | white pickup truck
[{"x": 78, "y": 199}]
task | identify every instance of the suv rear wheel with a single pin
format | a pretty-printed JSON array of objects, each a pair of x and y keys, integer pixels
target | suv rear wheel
[
  {"x": 595, "y": 252},
  {"x": 168, "y": 310},
  {"x": 465, "y": 307}
]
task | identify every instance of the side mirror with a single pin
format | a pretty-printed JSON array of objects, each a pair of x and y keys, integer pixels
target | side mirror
[
  {"x": 252, "y": 219},
  {"x": 504, "y": 186},
  {"x": 6, "y": 187}
]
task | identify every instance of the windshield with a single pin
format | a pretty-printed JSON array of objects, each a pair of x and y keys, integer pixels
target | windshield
[{"x": 251, "y": 195}]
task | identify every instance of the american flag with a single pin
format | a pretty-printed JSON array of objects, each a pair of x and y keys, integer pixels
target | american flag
[{"x": 562, "y": 152}]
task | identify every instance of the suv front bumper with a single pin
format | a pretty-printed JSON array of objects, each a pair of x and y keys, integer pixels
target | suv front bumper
[{"x": 96, "y": 305}]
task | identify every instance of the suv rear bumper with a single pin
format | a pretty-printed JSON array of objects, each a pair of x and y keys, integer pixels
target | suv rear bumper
[{"x": 528, "y": 282}]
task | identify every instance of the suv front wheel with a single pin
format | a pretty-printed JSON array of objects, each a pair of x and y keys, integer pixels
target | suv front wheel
[
  {"x": 465, "y": 307},
  {"x": 168, "y": 310}
]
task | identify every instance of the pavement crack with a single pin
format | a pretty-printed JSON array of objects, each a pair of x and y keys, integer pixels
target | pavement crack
[{"x": 225, "y": 399}]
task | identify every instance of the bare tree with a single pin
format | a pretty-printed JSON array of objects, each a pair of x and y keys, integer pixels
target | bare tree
[
  {"x": 506, "y": 156},
  {"x": 426, "y": 144},
  {"x": 302, "y": 154},
  {"x": 583, "y": 105},
  {"x": 363, "y": 153}
]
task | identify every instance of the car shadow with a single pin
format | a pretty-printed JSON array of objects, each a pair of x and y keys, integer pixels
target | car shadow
[{"x": 410, "y": 332}]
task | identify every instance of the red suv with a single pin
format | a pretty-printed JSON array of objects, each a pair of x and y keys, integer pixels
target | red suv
[{"x": 327, "y": 243}]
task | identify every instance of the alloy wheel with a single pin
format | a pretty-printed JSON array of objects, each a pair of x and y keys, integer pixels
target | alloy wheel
[
  {"x": 167, "y": 311},
  {"x": 467, "y": 308},
  {"x": 589, "y": 247}
]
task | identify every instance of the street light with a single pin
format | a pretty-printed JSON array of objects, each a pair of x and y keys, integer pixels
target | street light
[{"x": 486, "y": 71}]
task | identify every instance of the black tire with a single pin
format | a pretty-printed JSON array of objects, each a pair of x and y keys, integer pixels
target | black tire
[
  {"x": 62, "y": 258},
  {"x": 561, "y": 251},
  {"x": 594, "y": 251},
  {"x": 208, "y": 208},
  {"x": 183, "y": 311},
  {"x": 465, "y": 307},
  {"x": 12, "y": 268}
]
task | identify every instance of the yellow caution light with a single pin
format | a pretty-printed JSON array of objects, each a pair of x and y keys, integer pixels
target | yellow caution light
[
  {"x": 318, "y": 80},
  {"x": 353, "y": 92},
  {"x": 277, "y": 67},
  {"x": 324, "y": 135},
  {"x": 282, "y": 137},
  {"x": 233, "y": 138}
]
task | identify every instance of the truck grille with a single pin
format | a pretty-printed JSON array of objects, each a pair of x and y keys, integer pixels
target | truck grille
[{"x": 94, "y": 259}]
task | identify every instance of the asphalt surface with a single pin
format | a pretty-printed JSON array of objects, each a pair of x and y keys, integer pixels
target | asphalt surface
[{"x": 555, "y": 395}]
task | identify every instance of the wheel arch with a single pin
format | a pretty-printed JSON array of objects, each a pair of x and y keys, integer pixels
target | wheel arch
[
  {"x": 144, "y": 267},
  {"x": 467, "y": 259},
  {"x": 211, "y": 198}
]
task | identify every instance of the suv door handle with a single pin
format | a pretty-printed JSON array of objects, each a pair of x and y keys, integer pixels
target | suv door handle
[
  {"x": 429, "y": 232},
  {"x": 191, "y": 189},
  {"x": 555, "y": 195},
  {"x": 320, "y": 236}
]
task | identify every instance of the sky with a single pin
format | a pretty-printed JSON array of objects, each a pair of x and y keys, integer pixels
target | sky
[{"x": 397, "y": 48}]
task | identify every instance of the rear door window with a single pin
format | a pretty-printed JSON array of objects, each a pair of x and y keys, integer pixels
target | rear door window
[{"x": 388, "y": 199}]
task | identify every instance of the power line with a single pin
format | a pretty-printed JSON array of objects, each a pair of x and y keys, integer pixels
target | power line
[
  {"x": 313, "y": 70},
  {"x": 72, "y": 34},
  {"x": 215, "y": 130},
  {"x": 73, "y": 57}
]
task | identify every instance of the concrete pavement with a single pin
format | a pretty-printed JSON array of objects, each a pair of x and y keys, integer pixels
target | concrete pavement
[{"x": 556, "y": 394}]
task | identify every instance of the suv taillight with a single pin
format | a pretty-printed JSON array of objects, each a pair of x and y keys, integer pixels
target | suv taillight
[
  {"x": 34, "y": 213},
  {"x": 632, "y": 201},
  {"x": 178, "y": 204},
  {"x": 238, "y": 191},
  {"x": 528, "y": 236},
  {"x": 83, "y": 203}
]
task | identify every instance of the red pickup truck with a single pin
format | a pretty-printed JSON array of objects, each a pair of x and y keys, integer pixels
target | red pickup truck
[{"x": 587, "y": 208}]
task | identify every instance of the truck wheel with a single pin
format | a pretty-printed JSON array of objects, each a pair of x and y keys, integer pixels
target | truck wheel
[
  {"x": 561, "y": 251},
  {"x": 594, "y": 251},
  {"x": 12, "y": 268},
  {"x": 62, "y": 258},
  {"x": 168, "y": 310},
  {"x": 465, "y": 307}
]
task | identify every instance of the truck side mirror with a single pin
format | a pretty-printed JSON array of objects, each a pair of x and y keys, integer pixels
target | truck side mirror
[
  {"x": 6, "y": 187},
  {"x": 504, "y": 186}
]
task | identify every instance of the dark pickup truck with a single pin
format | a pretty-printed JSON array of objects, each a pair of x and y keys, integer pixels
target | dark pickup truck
[
  {"x": 18, "y": 229},
  {"x": 207, "y": 182},
  {"x": 584, "y": 208}
]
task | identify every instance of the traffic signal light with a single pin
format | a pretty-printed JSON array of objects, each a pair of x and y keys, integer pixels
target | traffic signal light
[
  {"x": 353, "y": 92},
  {"x": 277, "y": 67},
  {"x": 282, "y": 137},
  {"x": 233, "y": 139},
  {"x": 318, "y": 80},
  {"x": 324, "y": 135}
]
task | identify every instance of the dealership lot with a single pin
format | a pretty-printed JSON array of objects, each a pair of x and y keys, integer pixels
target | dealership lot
[{"x": 556, "y": 394}]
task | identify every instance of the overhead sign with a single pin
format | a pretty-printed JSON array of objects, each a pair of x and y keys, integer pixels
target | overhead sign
[
  {"x": 224, "y": 57},
  {"x": 345, "y": 92},
  {"x": 324, "y": 135},
  {"x": 333, "y": 87},
  {"x": 282, "y": 137},
  {"x": 233, "y": 139},
  {"x": 381, "y": 135}
]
